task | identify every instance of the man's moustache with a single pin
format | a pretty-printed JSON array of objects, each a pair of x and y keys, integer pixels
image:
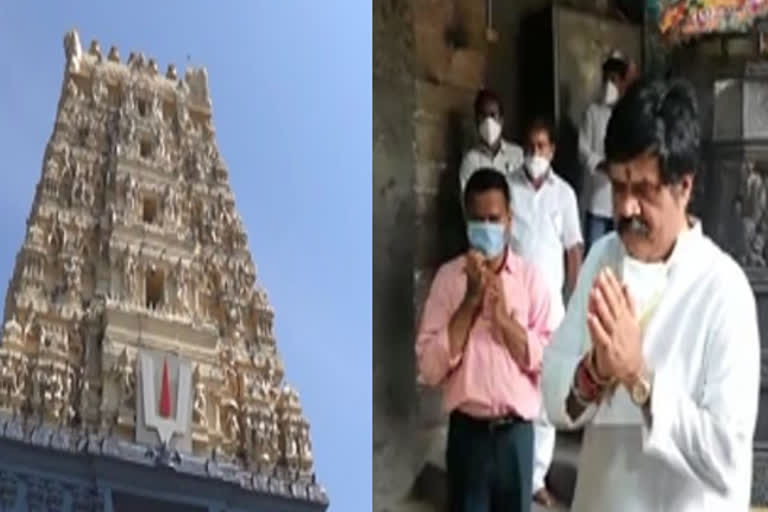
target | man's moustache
[{"x": 633, "y": 225}]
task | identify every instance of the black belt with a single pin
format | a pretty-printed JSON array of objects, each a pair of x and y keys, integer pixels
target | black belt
[{"x": 489, "y": 424}]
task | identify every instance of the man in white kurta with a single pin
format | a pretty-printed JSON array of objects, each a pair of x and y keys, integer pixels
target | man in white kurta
[
  {"x": 546, "y": 233},
  {"x": 663, "y": 373}
]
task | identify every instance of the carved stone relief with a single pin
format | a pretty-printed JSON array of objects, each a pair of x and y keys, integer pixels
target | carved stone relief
[{"x": 750, "y": 231}]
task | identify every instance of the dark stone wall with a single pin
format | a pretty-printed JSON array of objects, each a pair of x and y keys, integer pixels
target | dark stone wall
[
  {"x": 429, "y": 59},
  {"x": 393, "y": 245}
]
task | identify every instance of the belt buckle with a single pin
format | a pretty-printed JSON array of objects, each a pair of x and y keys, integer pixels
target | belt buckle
[{"x": 497, "y": 423}]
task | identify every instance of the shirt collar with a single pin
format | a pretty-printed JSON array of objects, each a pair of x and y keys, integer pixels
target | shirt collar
[
  {"x": 685, "y": 240},
  {"x": 522, "y": 175},
  {"x": 503, "y": 148}
]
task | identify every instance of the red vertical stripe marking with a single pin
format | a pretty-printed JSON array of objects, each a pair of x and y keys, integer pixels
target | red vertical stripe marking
[{"x": 165, "y": 393}]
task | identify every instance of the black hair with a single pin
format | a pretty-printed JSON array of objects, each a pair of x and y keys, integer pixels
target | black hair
[
  {"x": 483, "y": 180},
  {"x": 615, "y": 65},
  {"x": 544, "y": 124},
  {"x": 659, "y": 116},
  {"x": 485, "y": 96}
]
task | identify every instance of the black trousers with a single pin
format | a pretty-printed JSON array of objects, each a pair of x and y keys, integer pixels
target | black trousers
[{"x": 490, "y": 464}]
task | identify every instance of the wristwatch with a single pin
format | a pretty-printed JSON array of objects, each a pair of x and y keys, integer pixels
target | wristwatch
[{"x": 641, "y": 390}]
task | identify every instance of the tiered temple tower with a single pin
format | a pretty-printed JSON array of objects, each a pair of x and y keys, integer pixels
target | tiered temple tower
[{"x": 134, "y": 325}]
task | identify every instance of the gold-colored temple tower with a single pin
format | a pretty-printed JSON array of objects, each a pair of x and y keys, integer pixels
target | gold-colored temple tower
[{"x": 133, "y": 312}]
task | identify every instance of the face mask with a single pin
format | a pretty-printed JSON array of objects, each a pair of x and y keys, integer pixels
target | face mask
[
  {"x": 646, "y": 283},
  {"x": 490, "y": 130},
  {"x": 487, "y": 237},
  {"x": 537, "y": 166},
  {"x": 610, "y": 93}
]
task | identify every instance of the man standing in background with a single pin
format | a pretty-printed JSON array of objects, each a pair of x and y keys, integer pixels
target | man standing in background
[
  {"x": 483, "y": 331},
  {"x": 545, "y": 233},
  {"x": 491, "y": 151},
  {"x": 597, "y": 187}
]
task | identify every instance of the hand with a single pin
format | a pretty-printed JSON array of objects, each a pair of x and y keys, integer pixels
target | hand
[
  {"x": 497, "y": 302},
  {"x": 507, "y": 330},
  {"x": 616, "y": 334},
  {"x": 477, "y": 277}
]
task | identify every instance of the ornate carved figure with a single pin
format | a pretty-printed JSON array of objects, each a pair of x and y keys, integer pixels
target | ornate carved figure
[
  {"x": 73, "y": 49},
  {"x": 751, "y": 206},
  {"x": 72, "y": 276},
  {"x": 95, "y": 49},
  {"x": 36, "y": 235},
  {"x": 100, "y": 91},
  {"x": 231, "y": 421},
  {"x": 130, "y": 278},
  {"x": 84, "y": 401},
  {"x": 72, "y": 91},
  {"x": 157, "y": 107},
  {"x": 305, "y": 448},
  {"x": 20, "y": 378},
  {"x": 125, "y": 378},
  {"x": 182, "y": 112},
  {"x": 131, "y": 196},
  {"x": 182, "y": 286},
  {"x": 161, "y": 152},
  {"x": 291, "y": 448},
  {"x": 231, "y": 377},
  {"x": 170, "y": 204},
  {"x": 200, "y": 416},
  {"x": 13, "y": 380},
  {"x": 67, "y": 405},
  {"x": 128, "y": 106}
]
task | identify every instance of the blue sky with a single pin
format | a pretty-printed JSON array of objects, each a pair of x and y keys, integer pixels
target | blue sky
[{"x": 291, "y": 88}]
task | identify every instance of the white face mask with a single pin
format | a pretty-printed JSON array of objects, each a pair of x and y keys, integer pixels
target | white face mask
[
  {"x": 610, "y": 93},
  {"x": 537, "y": 166},
  {"x": 490, "y": 130}
]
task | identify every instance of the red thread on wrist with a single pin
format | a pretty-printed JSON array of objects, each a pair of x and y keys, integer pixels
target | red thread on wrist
[{"x": 587, "y": 387}]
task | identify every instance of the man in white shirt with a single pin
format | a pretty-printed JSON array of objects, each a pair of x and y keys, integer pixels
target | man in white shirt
[
  {"x": 658, "y": 355},
  {"x": 597, "y": 187},
  {"x": 546, "y": 234},
  {"x": 491, "y": 150}
]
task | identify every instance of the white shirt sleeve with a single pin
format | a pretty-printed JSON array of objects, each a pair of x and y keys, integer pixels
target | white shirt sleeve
[
  {"x": 568, "y": 346},
  {"x": 571, "y": 235},
  {"x": 516, "y": 158},
  {"x": 589, "y": 158},
  {"x": 709, "y": 436}
]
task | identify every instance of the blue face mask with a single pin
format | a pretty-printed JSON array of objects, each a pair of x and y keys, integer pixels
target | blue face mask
[{"x": 487, "y": 237}]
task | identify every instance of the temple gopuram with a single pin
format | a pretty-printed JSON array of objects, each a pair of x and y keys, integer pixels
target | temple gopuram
[{"x": 138, "y": 364}]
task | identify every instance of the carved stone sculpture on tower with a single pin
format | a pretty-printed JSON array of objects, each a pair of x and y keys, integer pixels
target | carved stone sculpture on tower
[{"x": 130, "y": 278}]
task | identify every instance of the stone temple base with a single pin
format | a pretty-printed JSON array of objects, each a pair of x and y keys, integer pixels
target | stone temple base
[{"x": 44, "y": 469}]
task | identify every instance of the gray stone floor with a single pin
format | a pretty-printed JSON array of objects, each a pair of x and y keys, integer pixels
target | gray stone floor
[{"x": 430, "y": 488}]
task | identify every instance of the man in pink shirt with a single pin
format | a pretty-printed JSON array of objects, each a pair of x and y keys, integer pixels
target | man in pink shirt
[{"x": 482, "y": 335}]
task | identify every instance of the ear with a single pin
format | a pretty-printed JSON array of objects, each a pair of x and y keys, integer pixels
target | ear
[
  {"x": 685, "y": 187},
  {"x": 687, "y": 184}
]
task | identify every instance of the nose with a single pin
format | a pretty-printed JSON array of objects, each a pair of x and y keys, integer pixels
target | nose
[{"x": 626, "y": 205}]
